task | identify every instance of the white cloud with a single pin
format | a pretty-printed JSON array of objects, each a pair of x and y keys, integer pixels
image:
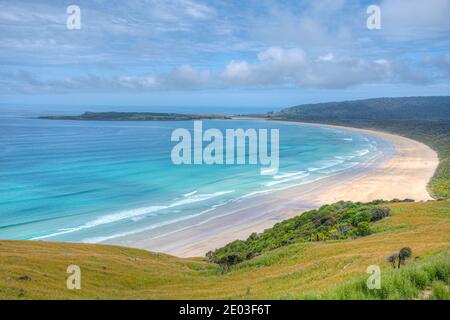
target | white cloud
[
  {"x": 281, "y": 56},
  {"x": 135, "y": 83},
  {"x": 295, "y": 68},
  {"x": 274, "y": 67},
  {"x": 181, "y": 44},
  {"x": 415, "y": 19},
  {"x": 327, "y": 57},
  {"x": 185, "y": 77},
  {"x": 237, "y": 70}
]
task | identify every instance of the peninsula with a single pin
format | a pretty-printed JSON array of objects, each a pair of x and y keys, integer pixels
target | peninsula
[{"x": 137, "y": 116}]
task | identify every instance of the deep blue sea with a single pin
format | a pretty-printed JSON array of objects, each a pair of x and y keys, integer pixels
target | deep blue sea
[{"x": 93, "y": 181}]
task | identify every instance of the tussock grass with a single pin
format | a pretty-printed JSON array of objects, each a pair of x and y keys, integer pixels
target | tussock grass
[
  {"x": 410, "y": 282},
  {"x": 37, "y": 270}
]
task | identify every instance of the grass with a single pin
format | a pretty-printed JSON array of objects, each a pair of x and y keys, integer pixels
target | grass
[
  {"x": 426, "y": 279},
  {"x": 37, "y": 270},
  {"x": 440, "y": 184}
]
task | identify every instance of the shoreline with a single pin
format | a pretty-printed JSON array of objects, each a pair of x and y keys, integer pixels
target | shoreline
[{"x": 404, "y": 174}]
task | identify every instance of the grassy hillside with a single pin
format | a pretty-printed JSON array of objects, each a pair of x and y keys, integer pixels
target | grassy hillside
[
  {"x": 30, "y": 270},
  {"x": 426, "y": 279},
  {"x": 425, "y": 119}
]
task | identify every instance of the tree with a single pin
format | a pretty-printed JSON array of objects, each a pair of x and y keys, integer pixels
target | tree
[
  {"x": 401, "y": 257},
  {"x": 392, "y": 259},
  {"x": 404, "y": 254}
]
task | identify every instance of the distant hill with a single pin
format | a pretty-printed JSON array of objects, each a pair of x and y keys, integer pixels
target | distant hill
[
  {"x": 136, "y": 116},
  {"x": 410, "y": 108}
]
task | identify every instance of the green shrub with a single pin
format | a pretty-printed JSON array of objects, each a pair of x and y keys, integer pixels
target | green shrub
[
  {"x": 440, "y": 291},
  {"x": 363, "y": 229},
  {"x": 439, "y": 271},
  {"x": 379, "y": 213},
  {"x": 418, "y": 276},
  {"x": 338, "y": 221}
]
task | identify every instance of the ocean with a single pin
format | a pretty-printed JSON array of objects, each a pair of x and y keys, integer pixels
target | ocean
[{"x": 83, "y": 181}]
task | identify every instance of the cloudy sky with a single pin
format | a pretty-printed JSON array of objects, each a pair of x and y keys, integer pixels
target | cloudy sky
[{"x": 221, "y": 52}]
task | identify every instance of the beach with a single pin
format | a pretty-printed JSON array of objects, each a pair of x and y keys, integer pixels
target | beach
[{"x": 401, "y": 174}]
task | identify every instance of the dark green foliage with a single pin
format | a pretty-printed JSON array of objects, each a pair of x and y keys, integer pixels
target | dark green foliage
[
  {"x": 379, "y": 213},
  {"x": 417, "y": 108},
  {"x": 338, "y": 221},
  {"x": 440, "y": 185},
  {"x": 404, "y": 254},
  {"x": 363, "y": 229},
  {"x": 401, "y": 257}
]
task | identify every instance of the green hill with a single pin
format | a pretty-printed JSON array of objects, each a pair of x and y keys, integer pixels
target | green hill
[
  {"x": 331, "y": 269},
  {"x": 409, "y": 108}
]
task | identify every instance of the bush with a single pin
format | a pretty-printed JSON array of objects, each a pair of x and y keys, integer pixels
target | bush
[
  {"x": 440, "y": 291},
  {"x": 439, "y": 271},
  {"x": 341, "y": 220},
  {"x": 379, "y": 213},
  {"x": 419, "y": 277},
  {"x": 363, "y": 229}
]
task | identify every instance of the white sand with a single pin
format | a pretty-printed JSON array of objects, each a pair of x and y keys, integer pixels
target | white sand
[{"x": 403, "y": 175}]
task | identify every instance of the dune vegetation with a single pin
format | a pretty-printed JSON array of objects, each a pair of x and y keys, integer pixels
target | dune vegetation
[{"x": 300, "y": 270}]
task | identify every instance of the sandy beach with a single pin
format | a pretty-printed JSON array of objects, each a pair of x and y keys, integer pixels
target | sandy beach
[{"x": 401, "y": 174}]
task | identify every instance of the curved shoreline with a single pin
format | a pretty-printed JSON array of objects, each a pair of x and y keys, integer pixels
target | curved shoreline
[
  {"x": 414, "y": 160},
  {"x": 402, "y": 175}
]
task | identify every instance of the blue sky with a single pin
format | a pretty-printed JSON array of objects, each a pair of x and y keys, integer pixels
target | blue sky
[{"x": 221, "y": 52}]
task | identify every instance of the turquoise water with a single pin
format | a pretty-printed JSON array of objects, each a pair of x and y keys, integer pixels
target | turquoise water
[{"x": 94, "y": 181}]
